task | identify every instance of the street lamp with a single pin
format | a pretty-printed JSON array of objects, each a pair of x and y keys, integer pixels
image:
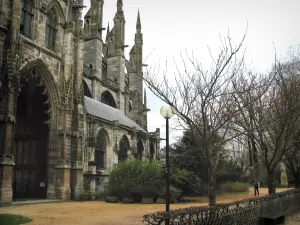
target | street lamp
[{"x": 167, "y": 112}]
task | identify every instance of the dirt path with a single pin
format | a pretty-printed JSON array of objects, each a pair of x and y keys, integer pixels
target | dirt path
[{"x": 98, "y": 213}]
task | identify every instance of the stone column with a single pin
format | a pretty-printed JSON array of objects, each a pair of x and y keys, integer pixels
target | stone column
[
  {"x": 91, "y": 176},
  {"x": 52, "y": 159},
  {"x": 63, "y": 163},
  {"x": 76, "y": 180},
  {"x": 7, "y": 123},
  {"x": 76, "y": 164},
  {"x": 115, "y": 139},
  {"x": 62, "y": 187},
  {"x": 6, "y": 174}
]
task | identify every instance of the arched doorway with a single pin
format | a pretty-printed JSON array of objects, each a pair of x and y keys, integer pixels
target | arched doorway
[
  {"x": 108, "y": 99},
  {"x": 31, "y": 140},
  {"x": 152, "y": 150},
  {"x": 123, "y": 149},
  {"x": 140, "y": 150}
]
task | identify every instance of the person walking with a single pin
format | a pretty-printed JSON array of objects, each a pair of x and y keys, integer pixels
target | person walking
[{"x": 256, "y": 186}]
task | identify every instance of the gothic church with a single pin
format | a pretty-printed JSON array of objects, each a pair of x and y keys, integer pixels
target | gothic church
[{"x": 71, "y": 105}]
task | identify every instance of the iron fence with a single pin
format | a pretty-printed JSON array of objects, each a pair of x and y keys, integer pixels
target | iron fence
[{"x": 245, "y": 212}]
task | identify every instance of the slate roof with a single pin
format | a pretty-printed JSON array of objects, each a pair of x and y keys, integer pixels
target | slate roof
[{"x": 106, "y": 112}]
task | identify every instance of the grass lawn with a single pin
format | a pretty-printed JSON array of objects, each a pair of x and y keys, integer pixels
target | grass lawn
[{"x": 11, "y": 219}]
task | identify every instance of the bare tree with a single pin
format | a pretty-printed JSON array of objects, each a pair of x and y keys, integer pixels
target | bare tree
[
  {"x": 292, "y": 161},
  {"x": 241, "y": 155},
  {"x": 292, "y": 157},
  {"x": 269, "y": 112},
  {"x": 203, "y": 101}
]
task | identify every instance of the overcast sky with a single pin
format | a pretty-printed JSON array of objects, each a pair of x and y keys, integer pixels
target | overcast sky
[{"x": 171, "y": 26}]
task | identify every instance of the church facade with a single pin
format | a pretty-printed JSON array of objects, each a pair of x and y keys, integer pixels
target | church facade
[{"x": 71, "y": 105}]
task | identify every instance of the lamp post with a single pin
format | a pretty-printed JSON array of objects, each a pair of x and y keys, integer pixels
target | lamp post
[{"x": 167, "y": 112}]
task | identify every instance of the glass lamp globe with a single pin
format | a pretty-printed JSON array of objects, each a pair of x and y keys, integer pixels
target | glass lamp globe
[{"x": 166, "y": 112}]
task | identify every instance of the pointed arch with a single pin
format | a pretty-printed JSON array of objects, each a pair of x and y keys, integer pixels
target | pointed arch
[
  {"x": 108, "y": 99},
  {"x": 40, "y": 69},
  {"x": 56, "y": 6},
  {"x": 140, "y": 150},
  {"x": 102, "y": 143},
  {"x": 124, "y": 147},
  {"x": 105, "y": 133}
]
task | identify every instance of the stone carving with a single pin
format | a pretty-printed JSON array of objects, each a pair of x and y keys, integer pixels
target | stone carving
[
  {"x": 76, "y": 165},
  {"x": 7, "y": 159},
  {"x": 7, "y": 119},
  {"x": 63, "y": 164},
  {"x": 44, "y": 7}
]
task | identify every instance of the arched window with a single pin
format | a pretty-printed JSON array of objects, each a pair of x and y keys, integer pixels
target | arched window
[
  {"x": 26, "y": 17},
  {"x": 100, "y": 151},
  {"x": 123, "y": 149},
  {"x": 140, "y": 150},
  {"x": 152, "y": 150},
  {"x": 51, "y": 29},
  {"x": 108, "y": 99}
]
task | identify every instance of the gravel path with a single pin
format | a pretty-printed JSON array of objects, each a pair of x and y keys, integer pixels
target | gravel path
[{"x": 97, "y": 213}]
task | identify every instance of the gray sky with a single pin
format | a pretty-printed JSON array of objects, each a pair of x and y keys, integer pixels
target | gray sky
[{"x": 171, "y": 26}]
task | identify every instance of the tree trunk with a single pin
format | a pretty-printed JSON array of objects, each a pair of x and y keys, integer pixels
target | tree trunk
[
  {"x": 271, "y": 182},
  {"x": 212, "y": 189}
]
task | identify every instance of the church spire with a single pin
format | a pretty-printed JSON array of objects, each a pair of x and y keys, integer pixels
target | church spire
[
  {"x": 138, "y": 23},
  {"x": 107, "y": 32},
  {"x": 119, "y": 6},
  {"x": 138, "y": 34}
]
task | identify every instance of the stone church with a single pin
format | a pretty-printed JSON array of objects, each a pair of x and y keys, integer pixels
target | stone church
[{"x": 71, "y": 105}]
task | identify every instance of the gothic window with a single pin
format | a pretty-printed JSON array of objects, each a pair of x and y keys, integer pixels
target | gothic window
[
  {"x": 108, "y": 99},
  {"x": 100, "y": 150},
  {"x": 26, "y": 17},
  {"x": 152, "y": 150},
  {"x": 123, "y": 149},
  {"x": 140, "y": 149},
  {"x": 51, "y": 29}
]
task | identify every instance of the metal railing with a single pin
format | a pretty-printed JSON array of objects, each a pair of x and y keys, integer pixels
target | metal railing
[{"x": 245, "y": 212}]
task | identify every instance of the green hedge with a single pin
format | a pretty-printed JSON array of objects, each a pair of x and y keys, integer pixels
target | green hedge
[
  {"x": 235, "y": 187},
  {"x": 134, "y": 176}
]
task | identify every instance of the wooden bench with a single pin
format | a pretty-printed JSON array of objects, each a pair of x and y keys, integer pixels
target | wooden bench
[{"x": 272, "y": 219}]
